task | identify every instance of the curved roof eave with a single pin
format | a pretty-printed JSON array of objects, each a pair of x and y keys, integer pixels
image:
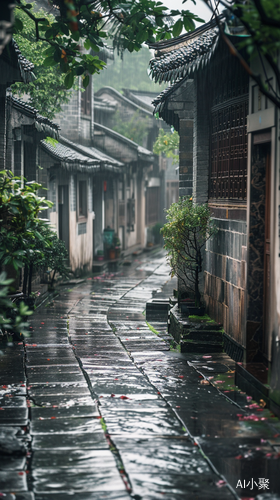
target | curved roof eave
[{"x": 117, "y": 94}]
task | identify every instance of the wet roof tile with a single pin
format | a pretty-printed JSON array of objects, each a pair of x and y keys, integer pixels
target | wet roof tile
[
  {"x": 42, "y": 123},
  {"x": 76, "y": 157},
  {"x": 184, "y": 55}
]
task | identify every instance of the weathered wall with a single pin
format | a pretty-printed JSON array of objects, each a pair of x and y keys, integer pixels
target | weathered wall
[
  {"x": 186, "y": 158},
  {"x": 69, "y": 118},
  {"x": 80, "y": 230},
  {"x": 225, "y": 260}
]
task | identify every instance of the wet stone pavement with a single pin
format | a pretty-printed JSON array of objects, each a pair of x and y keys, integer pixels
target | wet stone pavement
[{"x": 95, "y": 405}]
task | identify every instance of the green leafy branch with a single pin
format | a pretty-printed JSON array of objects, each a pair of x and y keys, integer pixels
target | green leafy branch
[
  {"x": 80, "y": 26},
  {"x": 167, "y": 143}
]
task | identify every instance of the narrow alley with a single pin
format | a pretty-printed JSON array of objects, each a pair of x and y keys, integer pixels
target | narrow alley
[{"x": 97, "y": 405}]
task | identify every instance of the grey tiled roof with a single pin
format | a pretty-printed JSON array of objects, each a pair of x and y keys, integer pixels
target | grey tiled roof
[
  {"x": 143, "y": 152},
  {"x": 160, "y": 104},
  {"x": 141, "y": 97},
  {"x": 69, "y": 158},
  {"x": 25, "y": 66},
  {"x": 178, "y": 58},
  {"x": 117, "y": 96},
  {"x": 75, "y": 157},
  {"x": 42, "y": 123},
  {"x": 104, "y": 160},
  {"x": 104, "y": 104}
]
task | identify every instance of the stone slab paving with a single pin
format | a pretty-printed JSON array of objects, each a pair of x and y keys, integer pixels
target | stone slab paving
[{"x": 97, "y": 406}]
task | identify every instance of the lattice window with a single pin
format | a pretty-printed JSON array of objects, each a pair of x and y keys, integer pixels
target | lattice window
[{"x": 228, "y": 178}]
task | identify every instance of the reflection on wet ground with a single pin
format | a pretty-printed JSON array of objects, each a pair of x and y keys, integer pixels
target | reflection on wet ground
[{"x": 114, "y": 414}]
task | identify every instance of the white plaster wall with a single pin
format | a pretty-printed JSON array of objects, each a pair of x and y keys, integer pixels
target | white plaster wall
[{"x": 80, "y": 246}]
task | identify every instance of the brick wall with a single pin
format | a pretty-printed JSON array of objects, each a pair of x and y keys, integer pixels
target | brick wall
[
  {"x": 69, "y": 118},
  {"x": 224, "y": 290},
  {"x": 186, "y": 158}
]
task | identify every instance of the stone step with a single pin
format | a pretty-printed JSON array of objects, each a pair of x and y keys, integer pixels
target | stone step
[
  {"x": 159, "y": 317},
  {"x": 202, "y": 346},
  {"x": 206, "y": 326},
  {"x": 157, "y": 309},
  {"x": 99, "y": 266},
  {"x": 160, "y": 303},
  {"x": 203, "y": 335}
]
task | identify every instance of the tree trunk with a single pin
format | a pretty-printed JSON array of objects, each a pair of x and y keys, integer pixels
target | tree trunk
[{"x": 197, "y": 293}]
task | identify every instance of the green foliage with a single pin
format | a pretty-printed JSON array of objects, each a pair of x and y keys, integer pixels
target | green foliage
[
  {"x": 21, "y": 228},
  {"x": 56, "y": 258},
  {"x": 152, "y": 328},
  {"x": 188, "y": 228},
  {"x": 88, "y": 24},
  {"x": 26, "y": 241},
  {"x": 262, "y": 21},
  {"x": 129, "y": 71},
  {"x": 47, "y": 93},
  {"x": 134, "y": 129},
  {"x": 167, "y": 143},
  {"x": 12, "y": 317}
]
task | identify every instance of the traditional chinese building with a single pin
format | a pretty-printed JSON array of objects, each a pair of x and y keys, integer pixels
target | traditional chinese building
[{"x": 228, "y": 158}]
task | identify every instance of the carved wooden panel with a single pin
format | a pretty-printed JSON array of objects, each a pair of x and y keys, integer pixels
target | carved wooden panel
[{"x": 228, "y": 178}]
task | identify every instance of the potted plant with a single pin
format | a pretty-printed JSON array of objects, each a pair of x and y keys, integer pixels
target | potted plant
[{"x": 188, "y": 228}]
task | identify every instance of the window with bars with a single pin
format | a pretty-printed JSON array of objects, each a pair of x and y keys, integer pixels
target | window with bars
[
  {"x": 86, "y": 99},
  {"x": 228, "y": 179}
]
